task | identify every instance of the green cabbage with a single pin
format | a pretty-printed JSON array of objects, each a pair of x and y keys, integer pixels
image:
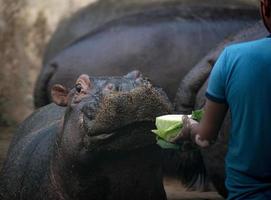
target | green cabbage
[
  {"x": 197, "y": 115},
  {"x": 169, "y": 126}
]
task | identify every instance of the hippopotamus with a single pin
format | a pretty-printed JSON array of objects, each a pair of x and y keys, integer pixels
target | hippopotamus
[
  {"x": 162, "y": 40},
  {"x": 191, "y": 96},
  {"x": 93, "y": 142}
]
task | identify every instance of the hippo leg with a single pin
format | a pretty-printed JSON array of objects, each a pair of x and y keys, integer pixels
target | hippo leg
[
  {"x": 188, "y": 164},
  {"x": 186, "y": 95}
]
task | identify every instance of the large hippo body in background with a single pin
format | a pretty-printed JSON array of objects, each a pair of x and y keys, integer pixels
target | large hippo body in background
[{"x": 162, "y": 40}]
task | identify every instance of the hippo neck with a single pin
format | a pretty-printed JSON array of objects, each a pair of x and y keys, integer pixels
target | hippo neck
[{"x": 125, "y": 175}]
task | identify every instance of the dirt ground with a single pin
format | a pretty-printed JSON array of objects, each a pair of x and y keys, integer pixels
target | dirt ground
[{"x": 174, "y": 189}]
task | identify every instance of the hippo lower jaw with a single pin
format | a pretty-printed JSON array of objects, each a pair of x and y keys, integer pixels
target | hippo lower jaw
[
  {"x": 134, "y": 135},
  {"x": 106, "y": 132}
]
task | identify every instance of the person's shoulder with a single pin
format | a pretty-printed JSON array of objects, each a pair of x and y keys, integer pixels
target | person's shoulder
[{"x": 247, "y": 47}]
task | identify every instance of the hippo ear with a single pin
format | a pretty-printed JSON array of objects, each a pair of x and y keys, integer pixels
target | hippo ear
[
  {"x": 134, "y": 75},
  {"x": 59, "y": 95}
]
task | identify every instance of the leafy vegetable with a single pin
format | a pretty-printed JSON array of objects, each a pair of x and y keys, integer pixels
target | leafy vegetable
[
  {"x": 197, "y": 115},
  {"x": 168, "y": 126}
]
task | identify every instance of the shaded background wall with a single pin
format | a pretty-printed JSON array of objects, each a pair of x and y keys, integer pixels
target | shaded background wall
[{"x": 25, "y": 27}]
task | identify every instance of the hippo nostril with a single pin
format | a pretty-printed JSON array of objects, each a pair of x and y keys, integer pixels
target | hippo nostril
[
  {"x": 89, "y": 110},
  {"x": 110, "y": 86},
  {"x": 89, "y": 114}
]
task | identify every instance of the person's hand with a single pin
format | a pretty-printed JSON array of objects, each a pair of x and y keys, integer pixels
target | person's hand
[{"x": 188, "y": 131}]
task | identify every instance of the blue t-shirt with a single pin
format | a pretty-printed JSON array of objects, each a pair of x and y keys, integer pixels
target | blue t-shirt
[{"x": 241, "y": 78}]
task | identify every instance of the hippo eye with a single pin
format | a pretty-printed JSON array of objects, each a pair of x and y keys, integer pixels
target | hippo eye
[{"x": 78, "y": 88}]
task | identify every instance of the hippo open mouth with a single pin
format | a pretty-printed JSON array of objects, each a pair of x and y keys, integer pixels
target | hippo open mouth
[{"x": 125, "y": 119}]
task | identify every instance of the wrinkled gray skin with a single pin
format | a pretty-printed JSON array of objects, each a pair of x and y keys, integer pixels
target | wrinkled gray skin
[
  {"x": 162, "y": 40},
  {"x": 98, "y": 147},
  {"x": 191, "y": 96}
]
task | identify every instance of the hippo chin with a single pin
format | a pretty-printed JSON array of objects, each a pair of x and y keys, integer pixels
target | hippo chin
[{"x": 94, "y": 144}]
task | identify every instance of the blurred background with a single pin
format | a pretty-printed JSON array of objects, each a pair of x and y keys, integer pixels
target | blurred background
[{"x": 25, "y": 28}]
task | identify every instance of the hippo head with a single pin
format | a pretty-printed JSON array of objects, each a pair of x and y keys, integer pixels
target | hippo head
[
  {"x": 109, "y": 114},
  {"x": 106, "y": 132}
]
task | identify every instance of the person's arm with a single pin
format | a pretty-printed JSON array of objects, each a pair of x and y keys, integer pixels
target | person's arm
[
  {"x": 214, "y": 114},
  {"x": 216, "y": 106}
]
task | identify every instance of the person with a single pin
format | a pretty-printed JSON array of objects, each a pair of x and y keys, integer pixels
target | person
[{"x": 240, "y": 81}]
